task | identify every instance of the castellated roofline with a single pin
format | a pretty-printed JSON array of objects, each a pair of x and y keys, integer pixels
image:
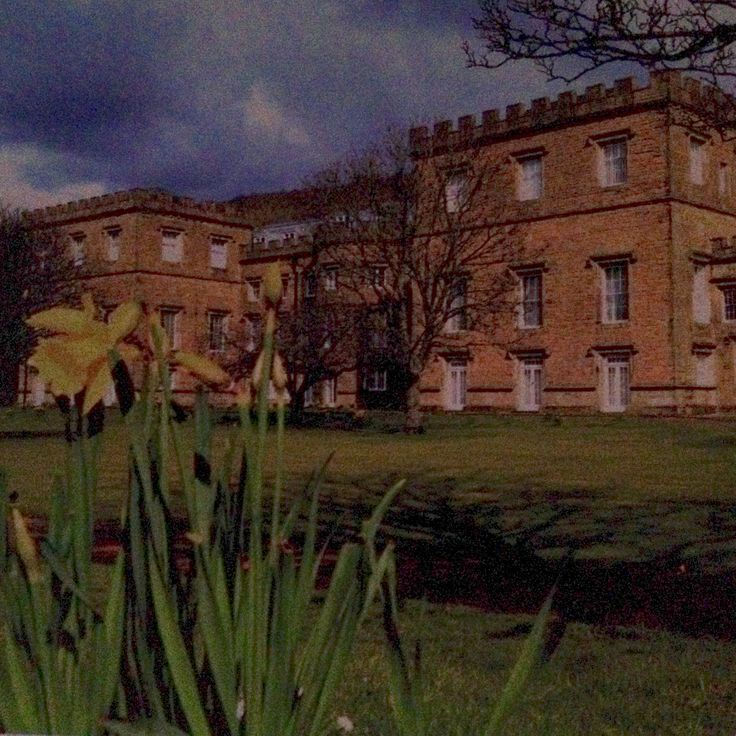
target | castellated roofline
[
  {"x": 157, "y": 200},
  {"x": 668, "y": 86}
]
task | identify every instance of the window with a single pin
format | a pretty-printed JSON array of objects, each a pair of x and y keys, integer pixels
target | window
[
  {"x": 458, "y": 299},
  {"x": 613, "y": 166},
  {"x": 309, "y": 396},
  {"x": 170, "y": 322},
  {"x": 697, "y": 160},
  {"x": 377, "y": 276},
  {"x": 530, "y": 388},
  {"x": 375, "y": 380},
  {"x": 113, "y": 238},
  {"x": 285, "y": 281},
  {"x": 456, "y": 192},
  {"x": 705, "y": 368},
  {"x": 729, "y": 303},
  {"x": 616, "y": 382},
  {"x": 701, "y": 294},
  {"x": 615, "y": 291},
  {"x": 456, "y": 387},
  {"x": 172, "y": 246},
  {"x": 529, "y": 178},
  {"x": 216, "y": 329},
  {"x": 310, "y": 285},
  {"x": 218, "y": 253},
  {"x": 78, "y": 250},
  {"x": 724, "y": 180},
  {"x": 329, "y": 391},
  {"x": 330, "y": 279},
  {"x": 253, "y": 328},
  {"x": 253, "y": 289},
  {"x": 530, "y": 314}
]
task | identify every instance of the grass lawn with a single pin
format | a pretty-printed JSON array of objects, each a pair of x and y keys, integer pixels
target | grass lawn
[
  {"x": 624, "y": 682},
  {"x": 621, "y": 487}
]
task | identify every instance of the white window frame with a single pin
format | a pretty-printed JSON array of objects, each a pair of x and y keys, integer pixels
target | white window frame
[
  {"x": 310, "y": 284},
  {"x": 173, "y": 334},
  {"x": 697, "y": 158},
  {"x": 377, "y": 276},
  {"x": 609, "y": 175},
  {"x": 375, "y": 380},
  {"x": 609, "y": 306},
  {"x": 456, "y": 387},
  {"x": 218, "y": 253},
  {"x": 253, "y": 289},
  {"x": 79, "y": 248},
  {"x": 531, "y": 384},
  {"x": 527, "y": 318},
  {"x": 729, "y": 302},
  {"x": 529, "y": 177},
  {"x": 456, "y": 191},
  {"x": 330, "y": 278},
  {"x": 172, "y": 245},
  {"x": 218, "y": 345},
  {"x": 113, "y": 237},
  {"x": 458, "y": 300},
  {"x": 253, "y": 327},
  {"x": 724, "y": 179}
]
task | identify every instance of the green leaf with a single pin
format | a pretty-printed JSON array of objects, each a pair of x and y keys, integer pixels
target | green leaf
[
  {"x": 525, "y": 665},
  {"x": 180, "y": 665}
]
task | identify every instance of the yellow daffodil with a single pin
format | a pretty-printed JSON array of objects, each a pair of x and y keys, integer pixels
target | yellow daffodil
[
  {"x": 203, "y": 368},
  {"x": 75, "y": 359},
  {"x": 199, "y": 366}
]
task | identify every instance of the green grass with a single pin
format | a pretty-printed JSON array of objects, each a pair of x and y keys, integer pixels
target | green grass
[
  {"x": 626, "y": 682},
  {"x": 621, "y": 487}
]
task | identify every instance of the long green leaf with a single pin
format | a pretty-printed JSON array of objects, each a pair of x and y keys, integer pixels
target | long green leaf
[
  {"x": 176, "y": 654},
  {"x": 522, "y": 671}
]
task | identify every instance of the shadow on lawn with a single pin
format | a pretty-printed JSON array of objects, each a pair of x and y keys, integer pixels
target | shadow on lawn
[{"x": 678, "y": 570}]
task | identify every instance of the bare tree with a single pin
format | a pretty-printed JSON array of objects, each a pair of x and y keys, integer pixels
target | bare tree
[
  {"x": 568, "y": 38},
  {"x": 317, "y": 342},
  {"x": 317, "y": 338},
  {"x": 415, "y": 237},
  {"x": 36, "y": 272}
]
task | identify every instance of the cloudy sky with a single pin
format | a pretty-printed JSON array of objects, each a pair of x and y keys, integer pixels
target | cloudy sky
[{"x": 219, "y": 98}]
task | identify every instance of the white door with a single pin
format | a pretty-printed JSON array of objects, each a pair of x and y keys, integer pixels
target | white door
[
  {"x": 329, "y": 392},
  {"x": 38, "y": 391},
  {"x": 530, "y": 398},
  {"x": 616, "y": 380},
  {"x": 456, "y": 385}
]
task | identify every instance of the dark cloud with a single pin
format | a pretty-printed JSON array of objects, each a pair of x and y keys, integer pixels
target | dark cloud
[{"x": 214, "y": 99}]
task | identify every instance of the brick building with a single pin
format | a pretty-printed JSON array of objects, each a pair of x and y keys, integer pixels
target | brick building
[
  {"x": 179, "y": 258},
  {"x": 631, "y": 304}
]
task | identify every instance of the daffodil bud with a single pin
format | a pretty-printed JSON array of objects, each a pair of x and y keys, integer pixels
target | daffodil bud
[
  {"x": 26, "y": 548},
  {"x": 203, "y": 368},
  {"x": 272, "y": 283},
  {"x": 243, "y": 399},
  {"x": 255, "y": 376},
  {"x": 279, "y": 373}
]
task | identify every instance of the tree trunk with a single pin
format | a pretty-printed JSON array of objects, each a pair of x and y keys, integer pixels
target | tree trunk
[
  {"x": 413, "y": 419},
  {"x": 296, "y": 408},
  {"x": 8, "y": 382}
]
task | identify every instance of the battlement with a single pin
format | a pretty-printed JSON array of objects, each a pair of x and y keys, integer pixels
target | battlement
[
  {"x": 156, "y": 200},
  {"x": 664, "y": 87}
]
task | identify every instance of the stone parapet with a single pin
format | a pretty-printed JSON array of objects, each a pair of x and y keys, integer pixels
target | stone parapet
[
  {"x": 153, "y": 200},
  {"x": 664, "y": 87}
]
